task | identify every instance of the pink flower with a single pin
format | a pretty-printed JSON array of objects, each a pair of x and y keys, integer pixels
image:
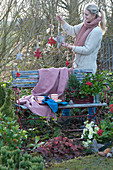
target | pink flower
[
  {"x": 89, "y": 83},
  {"x": 99, "y": 132}
]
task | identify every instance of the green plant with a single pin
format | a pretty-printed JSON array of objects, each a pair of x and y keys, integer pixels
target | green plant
[
  {"x": 36, "y": 144},
  {"x": 93, "y": 84},
  {"x": 14, "y": 160},
  {"x": 10, "y": 134},
  {"x": 107, "y": 126}
]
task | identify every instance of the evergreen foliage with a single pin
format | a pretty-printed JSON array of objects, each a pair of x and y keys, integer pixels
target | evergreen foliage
[
  {"x": 2, "y": 95},
  {"x": 11, "y": 160},
  {"x": 7, "y": 108}
]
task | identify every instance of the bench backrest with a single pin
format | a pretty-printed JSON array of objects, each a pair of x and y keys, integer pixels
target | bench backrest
[
  {"x": 29, "y": 78},
  {"x": 80, "y": 74}
]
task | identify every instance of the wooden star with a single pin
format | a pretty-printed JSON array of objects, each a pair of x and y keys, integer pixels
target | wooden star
[
  {"x": 60, "y": 39},
  {"x": 17, "y": 74},
  {"x": 19, "y": 56},
  {"x": 38, "y": 53},
  {"x": 67, "y": 63},
  {"x": 51, "y": 41}
]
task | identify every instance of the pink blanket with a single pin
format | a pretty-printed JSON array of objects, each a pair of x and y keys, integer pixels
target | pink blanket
[{"x": 51, "y": 81}]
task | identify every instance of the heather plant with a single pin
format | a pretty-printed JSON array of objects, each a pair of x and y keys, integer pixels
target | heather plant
[
  {"x": 59, "y": 147},
  {"x": 10, "y": 134}
]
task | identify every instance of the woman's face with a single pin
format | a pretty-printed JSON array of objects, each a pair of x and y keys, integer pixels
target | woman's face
[{"x": 88, "y": 16}]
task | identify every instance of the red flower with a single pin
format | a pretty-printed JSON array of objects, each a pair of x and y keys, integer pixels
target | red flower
[
  {"x": 0, "y": 119},
  {"x": 99, "y": 132},
  {"x": 111, "y": 106},
  {"x": 16, "y": 147},
  {"x": 89, "y": 83},
  {"x": 111, "y": 110},
  {"x": 5, "y": 133},
  {"x": 51, "y": 41},
  {"x": 2, "y": 123},
  {"x": 14, "y": 140},
  {"x": 67, "y": 63}
]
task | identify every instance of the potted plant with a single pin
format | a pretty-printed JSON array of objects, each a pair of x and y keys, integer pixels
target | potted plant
[
  {"x": 93, "y": 85},
  {"x": 73, "y": 91}
]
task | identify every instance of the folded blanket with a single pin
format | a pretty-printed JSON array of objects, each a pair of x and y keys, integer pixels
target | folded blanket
[
  {"x": 51, "y": 81},
  {"x": 52, "y": 104}
]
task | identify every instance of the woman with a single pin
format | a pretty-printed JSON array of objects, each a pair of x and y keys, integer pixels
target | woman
[
  {"x": 88, "y": 37},
  {"x": 88, "y": 40}
]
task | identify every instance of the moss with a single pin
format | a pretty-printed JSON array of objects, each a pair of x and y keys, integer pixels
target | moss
[{"x": 91, "y": 162}]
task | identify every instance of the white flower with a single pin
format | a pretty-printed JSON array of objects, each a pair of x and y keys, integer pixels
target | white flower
[
  {"x": 96, "y": 128},
  {"x": 90, "y": 136},
  {"x": 82, "y": 136},
  {"x": 86, "y": 122},
  {"x": 85, "y": 130}
]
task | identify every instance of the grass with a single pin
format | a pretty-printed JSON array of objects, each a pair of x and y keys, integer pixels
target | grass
[{"x": 91, "y": 162}]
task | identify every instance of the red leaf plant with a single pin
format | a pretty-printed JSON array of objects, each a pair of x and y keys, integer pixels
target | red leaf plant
[{"x": 59, "y": 147}]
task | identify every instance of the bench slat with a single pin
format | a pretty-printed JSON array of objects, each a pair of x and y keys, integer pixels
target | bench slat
[
  {"x": 25, "y": 76},
  {"x": 24, "y": 85},
  {"x": 24, "y": 80},
  {"x": 82, "y": 105},
  {"x": 27, "y": 72}
]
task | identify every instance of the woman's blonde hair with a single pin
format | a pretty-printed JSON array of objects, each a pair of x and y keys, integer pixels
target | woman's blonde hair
[{"x": 93, "y": 9}]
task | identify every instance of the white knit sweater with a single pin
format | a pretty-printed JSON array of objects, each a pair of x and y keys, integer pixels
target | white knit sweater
[{"x": 86, "y": 56}]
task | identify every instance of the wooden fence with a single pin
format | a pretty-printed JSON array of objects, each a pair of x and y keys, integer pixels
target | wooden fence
[{"x": 105, "y": 56}]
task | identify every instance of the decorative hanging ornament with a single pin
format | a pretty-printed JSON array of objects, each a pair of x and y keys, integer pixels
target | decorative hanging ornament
[
  {"x": 60, "y": 39},
  {"x": 67, "y": 57},
  {"x": 51, "y": 41},
  {"x": 38, "y": 53},
  {"x": 17, "y": 74},
  {"x": 67, "y": 63},
  {"x": 19, "y": 55}
]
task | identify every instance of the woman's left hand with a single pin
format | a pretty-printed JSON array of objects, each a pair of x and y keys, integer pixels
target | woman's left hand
[{"x": 67, "y": 45}]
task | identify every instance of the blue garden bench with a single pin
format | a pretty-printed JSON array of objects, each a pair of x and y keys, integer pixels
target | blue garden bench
[{"x": 28, "y": 80}]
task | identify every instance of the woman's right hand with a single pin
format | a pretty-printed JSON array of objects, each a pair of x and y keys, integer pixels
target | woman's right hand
[{"x": 59, "y": 17}]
